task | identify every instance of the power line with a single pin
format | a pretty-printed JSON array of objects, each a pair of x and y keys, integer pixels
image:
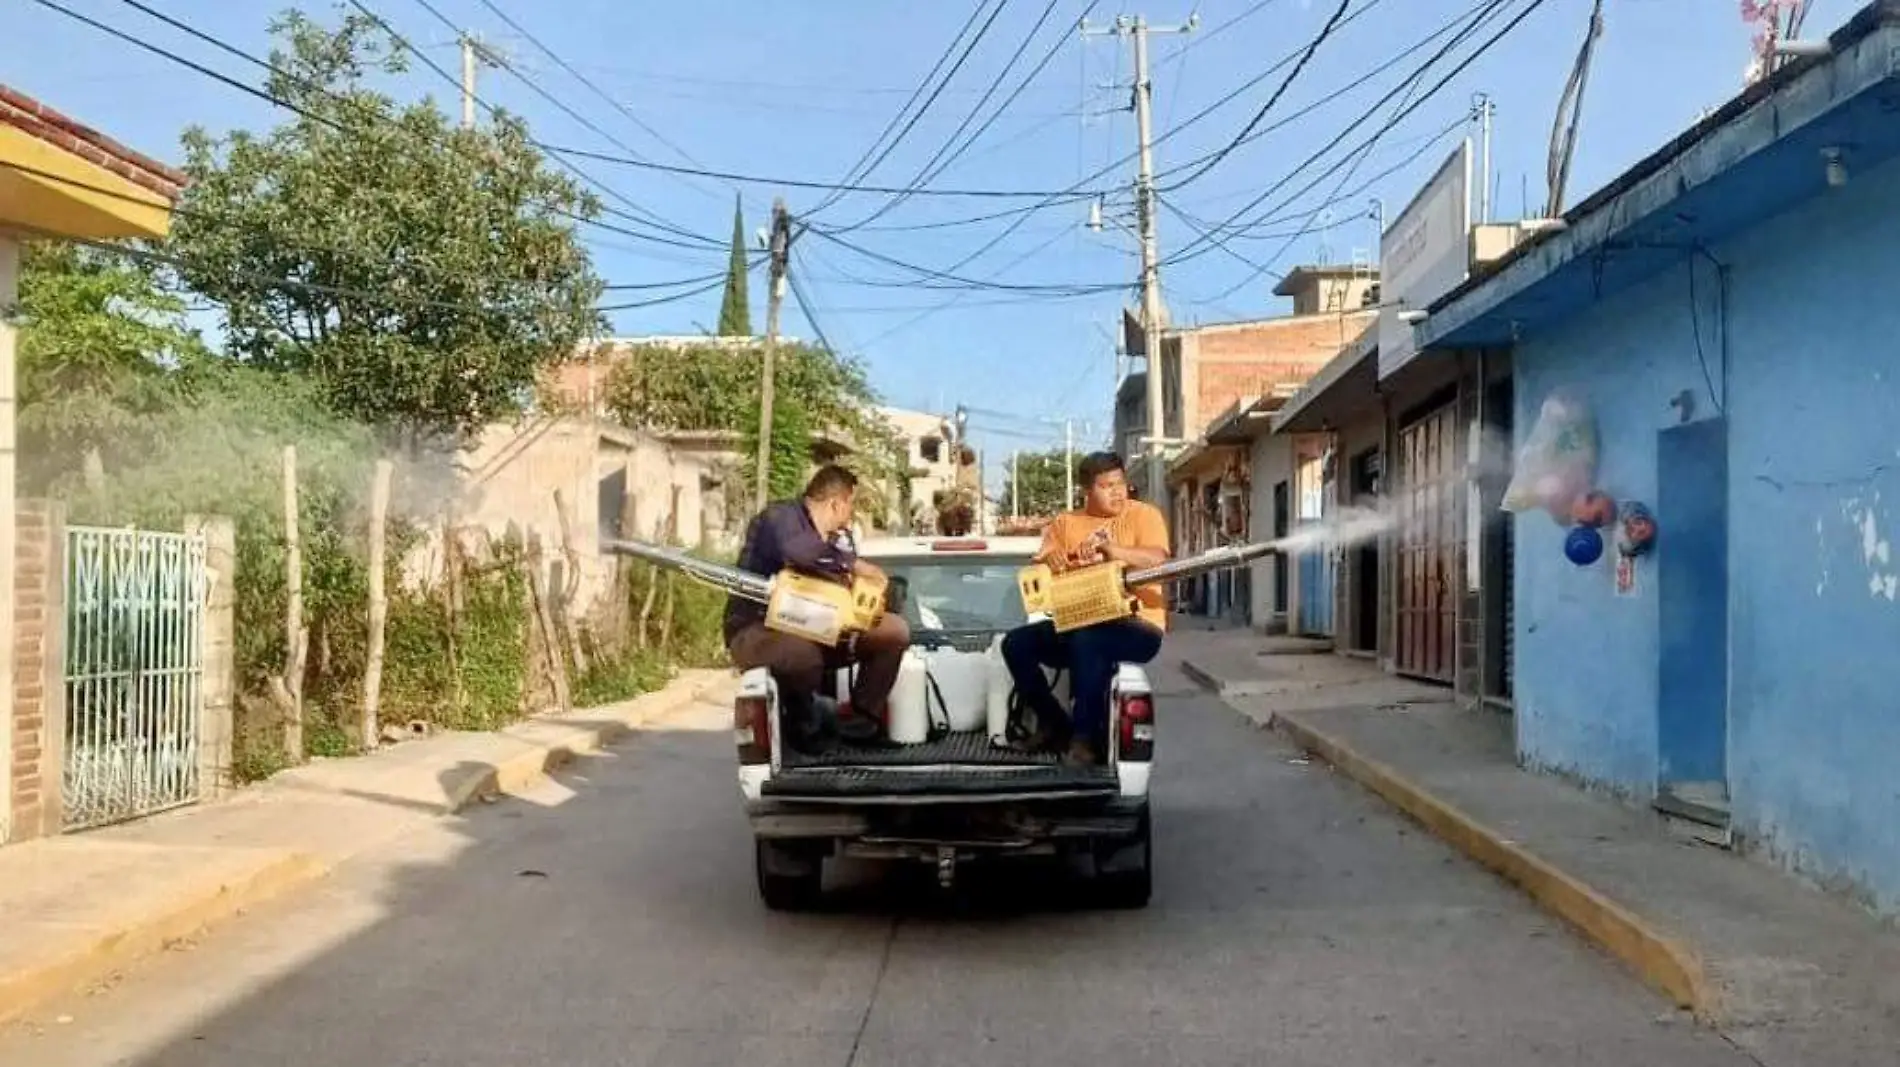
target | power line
[
  {"x": 584, "y": 80},
  {"x": 938, "y": 163},
  {"x": 269, "y": 98},
  {"x": 858, "y": 171},
  {"x": 1191, "y": 120},
  {"x": 1326, "y": 31},
  {"x": 833, "y": 187},
  {"x": 212, "y": 218},
  {"x": 1205, "y": 35},
  {"x": 1200, "y": 246},
  {"x": 560, "y": 155},
  {"x": 1479, "y": 11}
]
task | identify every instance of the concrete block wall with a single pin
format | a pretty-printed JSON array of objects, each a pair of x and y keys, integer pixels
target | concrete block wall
[{"x": 38, "y": 677}]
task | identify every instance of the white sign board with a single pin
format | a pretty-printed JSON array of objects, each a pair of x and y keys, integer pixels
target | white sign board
[{"x": 1424, "y": 254}]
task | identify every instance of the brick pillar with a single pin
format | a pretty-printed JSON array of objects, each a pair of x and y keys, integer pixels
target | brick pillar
[
  {"x": 39, "y": 677},
  {"x": 218, "y": 680}
]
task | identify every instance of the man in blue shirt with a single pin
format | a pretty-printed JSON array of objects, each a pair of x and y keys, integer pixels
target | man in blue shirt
[{"x": 812, "y": 536}]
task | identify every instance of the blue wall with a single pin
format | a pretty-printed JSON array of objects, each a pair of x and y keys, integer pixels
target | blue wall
[{"x": 1814, "y": 570}]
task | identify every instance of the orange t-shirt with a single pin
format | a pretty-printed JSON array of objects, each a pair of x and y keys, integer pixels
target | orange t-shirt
[{"x": 1140, "y": 525}]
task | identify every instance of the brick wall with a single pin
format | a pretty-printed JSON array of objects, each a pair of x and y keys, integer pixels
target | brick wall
[
  {"x": 1228, "y": 362},
  {"x": 38, "y": 681}
]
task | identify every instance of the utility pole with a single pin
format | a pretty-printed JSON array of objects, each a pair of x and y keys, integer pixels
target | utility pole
[
  {"x": 1486, "y": 110},
  {"x": 779, "y": 244},
  {"x": 1015, "y": 482},
  {"x": 474, "y": 53},
  {"x": 1136, "y": 28},
  {"x": 1068, "y": 464}
]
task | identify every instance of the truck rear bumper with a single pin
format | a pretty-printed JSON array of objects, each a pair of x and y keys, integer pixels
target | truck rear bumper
[{"x": 1001, "y": 825}]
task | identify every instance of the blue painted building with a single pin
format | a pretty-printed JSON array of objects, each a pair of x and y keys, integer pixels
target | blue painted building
[{"x": 1728, "y": 310}]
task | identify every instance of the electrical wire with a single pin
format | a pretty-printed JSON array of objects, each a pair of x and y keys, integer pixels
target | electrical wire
[
  {"x": 1201, "y": 247},
  {"x": 589, "y": 84},
  {"x": 1286, "y": 83},
  {"x": 560, "y": 156},
  {"x": 858, "y": 171},
  {"x": 300, "y": 246},
  {"x": 275, "y": 101},
  {"x": 1236, "y": 93},
  {"x": 1203, "y": 38},
  {"x": 938, "y": 163}
]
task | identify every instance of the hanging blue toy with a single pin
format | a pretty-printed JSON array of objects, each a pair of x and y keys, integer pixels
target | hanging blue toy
[{"x": 1583, "y": 545}]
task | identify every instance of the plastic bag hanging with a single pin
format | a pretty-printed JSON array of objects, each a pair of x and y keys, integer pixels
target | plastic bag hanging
[{"x": 1557, "y": 462}]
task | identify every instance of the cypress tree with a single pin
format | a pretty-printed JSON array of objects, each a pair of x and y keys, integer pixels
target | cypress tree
[{"x": 735, "y": 315}]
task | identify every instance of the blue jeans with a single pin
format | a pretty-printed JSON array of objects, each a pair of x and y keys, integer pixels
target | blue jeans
[{"x": 1090, "y": 655}]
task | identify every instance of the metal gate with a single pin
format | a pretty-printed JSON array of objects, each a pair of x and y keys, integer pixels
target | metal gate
[
  {"x": 1431, "y": 537},
  {"x": 135, "y": 604}
]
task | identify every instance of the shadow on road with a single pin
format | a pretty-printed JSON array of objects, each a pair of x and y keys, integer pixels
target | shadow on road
[{"x": 611, "y": 918}]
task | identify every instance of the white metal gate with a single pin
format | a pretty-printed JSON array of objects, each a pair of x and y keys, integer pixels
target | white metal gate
[{"x": 135, "y": 602}]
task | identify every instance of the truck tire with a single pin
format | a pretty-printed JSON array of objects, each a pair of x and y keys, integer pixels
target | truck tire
[
  {"x": 789, "y": 879},
  {"x": 1130, "y": 884}
]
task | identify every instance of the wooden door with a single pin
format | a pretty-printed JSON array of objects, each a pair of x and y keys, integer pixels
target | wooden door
[{"x": 1430, "y": 542}]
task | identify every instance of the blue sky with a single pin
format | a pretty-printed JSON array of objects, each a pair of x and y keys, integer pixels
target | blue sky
[{"x": 800, "y": 89}]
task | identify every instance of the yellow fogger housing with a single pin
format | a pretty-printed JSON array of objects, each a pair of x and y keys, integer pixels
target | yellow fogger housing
[
  {"x": 824, "y": 611},
  {"x": 1077, "y": 598}
]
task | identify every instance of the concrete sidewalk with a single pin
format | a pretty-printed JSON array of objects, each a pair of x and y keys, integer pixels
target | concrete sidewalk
[
  {"x": 1783, "y": 969},
  {"x": 76, "y": 909}
]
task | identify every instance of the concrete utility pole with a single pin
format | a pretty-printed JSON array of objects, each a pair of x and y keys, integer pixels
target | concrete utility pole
[
  {"x": 1486, "y": 110},
  {"x": 779, "y": 244},
  {"x": 1068, "y": 464},
  {"x": 1137, "y": 29},
  {"x": 1015, "y": 480},
  {"x": 474, "y": 53}
]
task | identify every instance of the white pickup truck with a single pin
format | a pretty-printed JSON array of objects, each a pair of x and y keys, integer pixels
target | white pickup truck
[{"x": 959, "y": 796}]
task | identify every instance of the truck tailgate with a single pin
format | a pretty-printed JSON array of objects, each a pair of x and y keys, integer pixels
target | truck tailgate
[{"x": 960, "y": 768}]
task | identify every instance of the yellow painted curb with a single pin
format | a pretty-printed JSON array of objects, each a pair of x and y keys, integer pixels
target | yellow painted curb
[
  {"x": 103, "y": 952},
  {"x": 1665, "y": 962},
  {"x": 517, "y": 773}
]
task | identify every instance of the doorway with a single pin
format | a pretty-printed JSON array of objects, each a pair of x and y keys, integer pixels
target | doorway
[
  {"x": 1691, "y": 572},
  {"x": 1363, "y": 575},
  {"x": 1282, "y": 520},
  {"x": 1431, "y": 539}
]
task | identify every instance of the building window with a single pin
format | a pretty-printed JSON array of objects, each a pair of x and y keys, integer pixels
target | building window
[{"x": 930, "y": 449}]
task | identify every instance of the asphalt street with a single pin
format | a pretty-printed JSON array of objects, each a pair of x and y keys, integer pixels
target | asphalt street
[{"x": 611, "y": 919}]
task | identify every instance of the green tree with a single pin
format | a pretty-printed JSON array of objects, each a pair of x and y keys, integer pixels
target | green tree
[
  {"x": 716, "y": 387},
  {"x": 439, "y": 267},
  {"x": 735, "y": 313},
  {"x": 1042, "y": 483},
  {"x": 105, "y": 337}
]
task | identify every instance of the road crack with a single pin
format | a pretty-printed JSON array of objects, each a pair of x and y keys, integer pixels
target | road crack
[{"x": 877, "y": 986}]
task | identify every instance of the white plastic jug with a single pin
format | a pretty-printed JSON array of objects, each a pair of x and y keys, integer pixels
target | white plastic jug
[
  {"x": 963, "y": 680},
  {"x": 910, "y": 714}
]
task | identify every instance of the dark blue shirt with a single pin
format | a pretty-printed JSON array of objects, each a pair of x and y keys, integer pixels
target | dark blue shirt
[{"x": 784, "y": 537}]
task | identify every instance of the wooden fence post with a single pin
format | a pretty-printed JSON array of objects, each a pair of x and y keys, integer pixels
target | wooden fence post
[{"x": 370, "y": 730}]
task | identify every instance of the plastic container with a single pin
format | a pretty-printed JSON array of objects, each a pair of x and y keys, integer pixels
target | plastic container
[
  {"x": 963, "y": 679},
  {"x": 910, "y": 714}
]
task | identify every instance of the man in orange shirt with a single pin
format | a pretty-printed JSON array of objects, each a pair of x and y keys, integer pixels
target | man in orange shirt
[{"x": 1109, "y": 526}]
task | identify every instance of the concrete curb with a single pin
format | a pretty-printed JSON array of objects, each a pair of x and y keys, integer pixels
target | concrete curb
[
  {"x": 550, "y": 744},
  {"x": 1666, "y": 962},
  {"x": 95, "y": 954}
]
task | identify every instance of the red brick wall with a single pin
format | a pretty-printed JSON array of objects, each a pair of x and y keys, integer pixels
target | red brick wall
[
  {"x": 1251, "y": 360},
  {"x": 34, "y": 776}
]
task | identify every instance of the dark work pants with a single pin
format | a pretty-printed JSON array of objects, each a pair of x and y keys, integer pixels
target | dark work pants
[
  {"x": 799, "y": 665},
  {"x": 1090, "y": 656}
]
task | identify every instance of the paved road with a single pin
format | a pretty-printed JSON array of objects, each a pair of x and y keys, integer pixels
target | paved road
[{"x": 611, "y": 919}]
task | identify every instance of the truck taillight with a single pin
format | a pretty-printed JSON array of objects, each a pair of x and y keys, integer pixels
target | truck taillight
[
  {"x": 1137, "y": 716},
  {"x": 752, "y": 730}
]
